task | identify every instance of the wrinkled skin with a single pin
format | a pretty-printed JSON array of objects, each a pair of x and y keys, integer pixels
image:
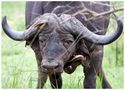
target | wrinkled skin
[
  {"x": 52, "y": 45},
  {"x": 62, "y": 46},
  {"x": 51, "y": 62}
]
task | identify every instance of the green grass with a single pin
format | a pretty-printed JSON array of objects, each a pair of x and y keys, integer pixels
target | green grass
[{"x": 19, "y": 68}]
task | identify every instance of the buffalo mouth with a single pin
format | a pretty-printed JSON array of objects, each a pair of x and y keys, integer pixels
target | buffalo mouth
[
  {"x": 51, "y": 68},
  {"x": 51, "y": 71}
]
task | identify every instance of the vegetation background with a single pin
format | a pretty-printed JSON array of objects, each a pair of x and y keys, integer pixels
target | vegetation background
[{"x": 19, "y": 68}]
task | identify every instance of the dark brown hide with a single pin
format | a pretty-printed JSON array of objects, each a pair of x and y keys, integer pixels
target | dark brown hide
[
  {"x": 94, "y": 53},
  {"x": 60, "y": 45}
]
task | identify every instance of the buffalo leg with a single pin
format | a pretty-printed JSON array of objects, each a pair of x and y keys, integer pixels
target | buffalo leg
[
  {"x": 56, "y": 80},
  {"x": 95, "y": 67},
  {"x": 42, "y": 77},
  {"x": 90, "y": 78},
  {"x": 105, "y": 83}
]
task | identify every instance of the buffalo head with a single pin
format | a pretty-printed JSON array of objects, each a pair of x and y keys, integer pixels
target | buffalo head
[{"x": 58, "y": 38}]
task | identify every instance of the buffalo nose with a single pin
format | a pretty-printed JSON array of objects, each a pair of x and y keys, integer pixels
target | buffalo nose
[{"x": 50, "y": 65}]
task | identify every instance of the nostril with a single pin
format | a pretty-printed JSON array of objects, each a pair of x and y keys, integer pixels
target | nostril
[
  {"x": 44, "y": 66},
  {"x": 57, "y": 66},
  {"x": 50, "y": 66}
]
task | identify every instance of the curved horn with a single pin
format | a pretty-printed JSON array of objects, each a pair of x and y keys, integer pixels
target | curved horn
[
  {"x": 79, "y": 57},
  {"x": 38, "y": 23},
  {"x": 76, "y": 27},
  {"x": 17, "y": 35}
]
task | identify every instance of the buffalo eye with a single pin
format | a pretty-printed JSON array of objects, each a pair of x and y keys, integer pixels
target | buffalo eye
[
  {"x": 67, "y": 43},
  {"x": 42, "y": 41}
]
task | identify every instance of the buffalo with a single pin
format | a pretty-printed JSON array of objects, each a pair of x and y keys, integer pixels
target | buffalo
[{"x": 62, "y": 41}]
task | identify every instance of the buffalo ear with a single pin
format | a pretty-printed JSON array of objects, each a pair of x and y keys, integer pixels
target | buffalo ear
[
  {"x": 82, "y": 49},
  {"x": 85, "y": 51}
]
